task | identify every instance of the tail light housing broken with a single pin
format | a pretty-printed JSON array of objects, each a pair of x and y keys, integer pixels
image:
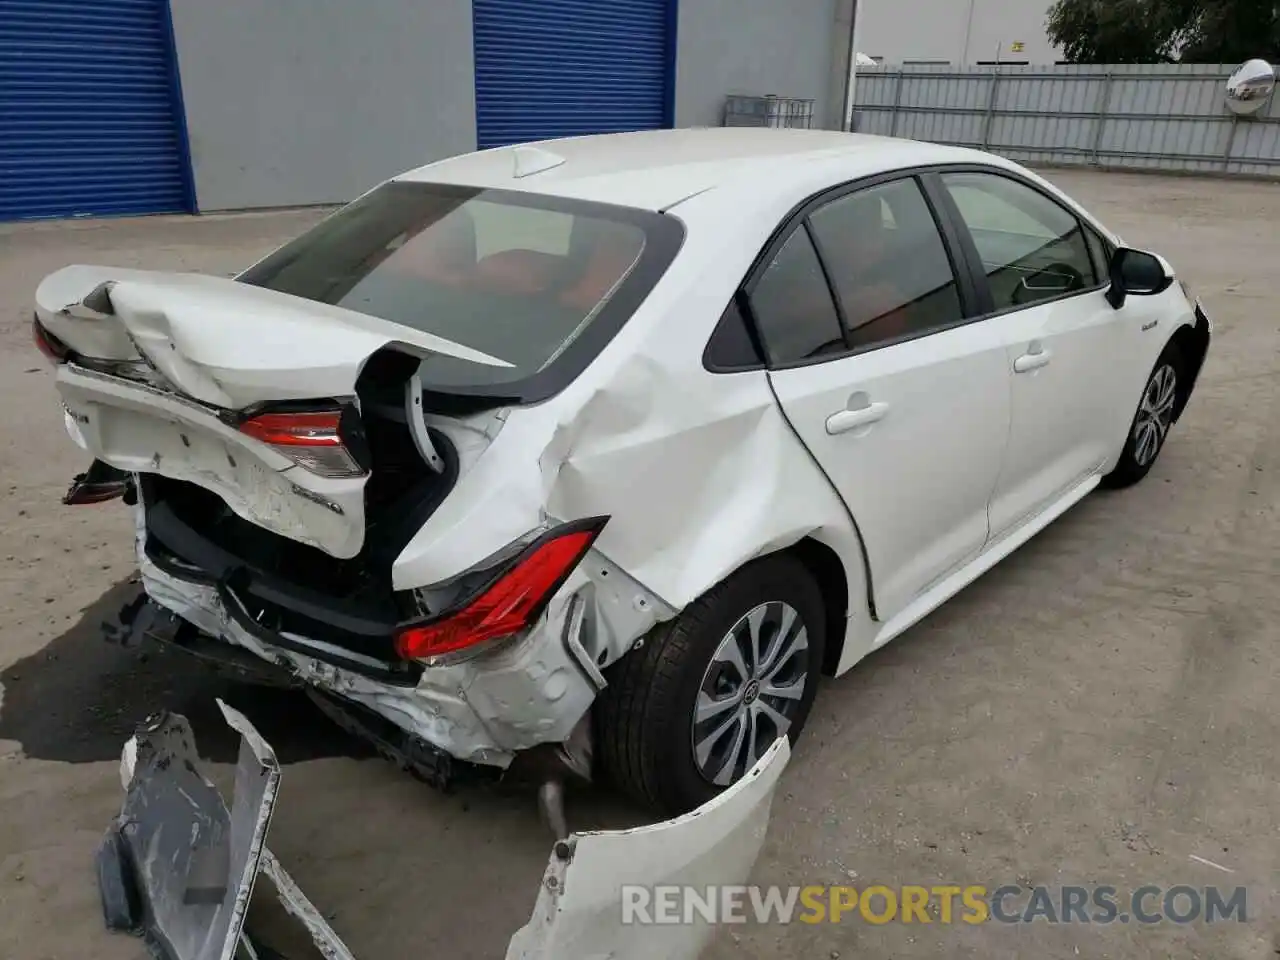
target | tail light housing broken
[
  {"x": 54, "y": 350},
  {"x": 313, "y": 439},
  {"x": 510, "y": 602}
]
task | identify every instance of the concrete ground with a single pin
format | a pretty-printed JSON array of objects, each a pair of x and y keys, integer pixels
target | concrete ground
[{"x": 1099, "y": 709}]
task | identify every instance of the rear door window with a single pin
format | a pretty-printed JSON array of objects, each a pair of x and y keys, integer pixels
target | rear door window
[
  {"x": 887, "y": 261},
  {"x": 521, "y": 277}
]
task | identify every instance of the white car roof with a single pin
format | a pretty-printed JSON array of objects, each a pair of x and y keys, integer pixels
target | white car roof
[{"x": 656, "y": 169}]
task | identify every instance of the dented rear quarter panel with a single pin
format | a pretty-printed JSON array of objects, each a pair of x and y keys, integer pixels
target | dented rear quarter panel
[{"x": 698, "y": 472}]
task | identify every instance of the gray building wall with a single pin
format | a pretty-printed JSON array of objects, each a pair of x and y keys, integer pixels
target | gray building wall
[
  {"x": 292, "y": 102},
  {"x": 297, "y": 102},
  {"x": 954, "y": 31},
  {"x": 755, "y": 47},
  {"x": 842, "y": 79}
]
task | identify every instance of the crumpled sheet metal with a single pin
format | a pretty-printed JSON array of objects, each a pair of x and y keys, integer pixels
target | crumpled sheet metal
[
  {"x": 578, "y": 912},
  {"x": 696, "y": 481},
  {"x": 695, "y": 484},
  {"x": 698, "y": 472},
  {"x": 192, "y": 862},
  {"x": 478, "y": 715},
  {"x": 196, "y": 863},
  {"x": 224, "y": 343}
]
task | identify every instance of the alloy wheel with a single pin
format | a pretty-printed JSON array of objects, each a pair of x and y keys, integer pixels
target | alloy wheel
[
  {"x": 751, "y": 691},
  {"x": 1155, "y": 414}
]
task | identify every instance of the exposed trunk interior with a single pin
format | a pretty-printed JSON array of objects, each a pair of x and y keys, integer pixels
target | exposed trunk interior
[{"x": 289, "y": 586}]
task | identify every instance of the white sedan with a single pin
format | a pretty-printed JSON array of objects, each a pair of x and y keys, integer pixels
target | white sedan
[{"x": 613, "y": 446}]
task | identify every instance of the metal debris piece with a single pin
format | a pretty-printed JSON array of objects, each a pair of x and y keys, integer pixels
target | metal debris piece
[
  {"x": 178, "y": 867},
  {"x": 197, "y": 881}
]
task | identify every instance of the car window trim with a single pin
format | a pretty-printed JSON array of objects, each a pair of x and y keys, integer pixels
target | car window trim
[
  {"x": 753, "y": 320},
  {"x": 842, "y": 316},
  {"x": 711, "y": 363},
  {"x": 976, "y": 301},
  {"x": 976, "y": 268},
  {"x": 1108, "y": 249},
  {"x": 967, "y": 292},
  {"x": 967, "y": 298}
]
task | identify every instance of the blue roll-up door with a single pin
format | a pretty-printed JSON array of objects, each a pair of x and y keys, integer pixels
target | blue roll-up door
[
  {"x": 560, "y": 68},
  {"x": 90, "y": 122}
]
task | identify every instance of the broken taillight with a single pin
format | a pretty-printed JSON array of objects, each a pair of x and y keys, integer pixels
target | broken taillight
[
  {"x": 310, "y": 438},
  {"x": 511, "y": 603},
  {"x": 54, "y": 350}
]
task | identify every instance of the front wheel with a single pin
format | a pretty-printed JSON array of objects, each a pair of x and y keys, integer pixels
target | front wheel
[
  {"x": 1152, "y": 421},
  {"x": 692, "y": 709}
]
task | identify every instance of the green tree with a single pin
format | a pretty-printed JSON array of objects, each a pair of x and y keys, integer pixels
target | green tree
[
  {"x": 1231, "y": 31},
  {"x": 1155, "y": 31},
  {"x": 1112, "y": 31}
]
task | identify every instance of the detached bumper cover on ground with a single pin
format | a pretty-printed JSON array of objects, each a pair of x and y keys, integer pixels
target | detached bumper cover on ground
[
  {"x": 180, "y": 868},
  {"x": 191, "y": 876}
]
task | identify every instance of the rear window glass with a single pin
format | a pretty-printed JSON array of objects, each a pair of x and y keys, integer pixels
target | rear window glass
[{"x": 520, "y": 277}]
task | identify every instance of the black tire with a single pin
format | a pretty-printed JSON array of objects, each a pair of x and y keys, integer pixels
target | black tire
[
  {"x": 1136, "y": 460},
  {"x": 644, "y": 718}
]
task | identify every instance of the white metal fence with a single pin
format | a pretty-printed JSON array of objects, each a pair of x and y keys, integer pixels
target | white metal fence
[{"x": 1148, "y": 116}]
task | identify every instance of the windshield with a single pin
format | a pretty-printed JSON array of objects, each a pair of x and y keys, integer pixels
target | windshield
[{"x": 518, "y": 276}]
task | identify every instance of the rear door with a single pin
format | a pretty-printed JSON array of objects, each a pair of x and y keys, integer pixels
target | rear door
[
  {"x": 1045, "y": 296},
  {"x": 900, "y": 398}
]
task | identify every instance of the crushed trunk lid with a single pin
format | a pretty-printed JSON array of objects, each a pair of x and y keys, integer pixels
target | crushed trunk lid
[
  {"x": 220, "y": 342},
  {"x": 180, "y": 868},
  {"x": 162, "y": 363}
]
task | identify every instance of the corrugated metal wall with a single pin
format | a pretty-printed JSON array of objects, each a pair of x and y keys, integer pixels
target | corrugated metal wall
[
  {"x": 564, "y": 68},
  {"x": 1147, "y": 116},
  {"x": 90, "y": 115}
]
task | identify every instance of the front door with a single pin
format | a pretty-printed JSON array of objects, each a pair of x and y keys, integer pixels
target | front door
[
  {"x": 902, "y": 402},
  {"x": 1064, "y": 342}
]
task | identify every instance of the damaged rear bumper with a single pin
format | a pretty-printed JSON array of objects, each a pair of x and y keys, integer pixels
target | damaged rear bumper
[
  {"x": 196, "y": 879},
  {"x": 483, "y": 712},
  {"x": 532, "y": 689}
]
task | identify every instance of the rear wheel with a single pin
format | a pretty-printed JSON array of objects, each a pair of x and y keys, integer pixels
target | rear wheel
[
  {"x": 689, "y": 711},
  {"x": 1152, "y": 421}
]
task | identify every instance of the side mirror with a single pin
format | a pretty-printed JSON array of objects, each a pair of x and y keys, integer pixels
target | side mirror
[{"x": 1138, "y": 274}]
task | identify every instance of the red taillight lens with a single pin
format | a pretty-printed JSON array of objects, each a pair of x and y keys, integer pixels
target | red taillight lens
[
  {"x": 55, "y": 350},
  {"x": 511, "y": 603},
  {"x": 310, "y": 438},
  {"x": 311, "y": 429}
]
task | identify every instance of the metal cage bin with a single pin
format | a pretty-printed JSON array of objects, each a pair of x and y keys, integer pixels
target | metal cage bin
[{"x": 767, "y": 111}]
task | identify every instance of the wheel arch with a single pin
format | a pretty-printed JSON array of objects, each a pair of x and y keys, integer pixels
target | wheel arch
[
  {"x": 828, "y": 571},
  {"x": 1192, "y": 341}
]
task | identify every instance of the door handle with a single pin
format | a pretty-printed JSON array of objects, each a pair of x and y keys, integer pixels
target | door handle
[
  {"x": 1032, "y": 361},
  {"x": 846, "y": 420}
]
